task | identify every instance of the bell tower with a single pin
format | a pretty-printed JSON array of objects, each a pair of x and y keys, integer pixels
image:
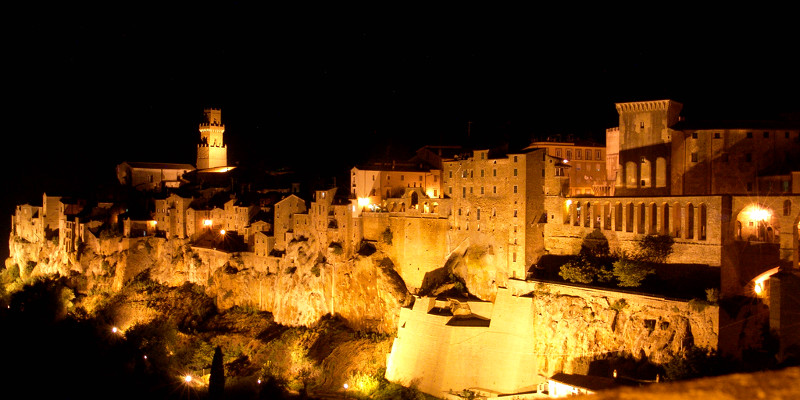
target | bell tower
[{"x": 211, "y": 151}]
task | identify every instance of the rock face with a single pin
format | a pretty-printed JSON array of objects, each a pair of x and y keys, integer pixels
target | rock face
[
  {"x": 574, "y": 327},
  {"x": 298, "y": 289}
]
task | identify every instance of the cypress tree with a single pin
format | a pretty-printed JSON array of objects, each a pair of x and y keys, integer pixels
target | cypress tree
[{"x": 216, "y": 383}]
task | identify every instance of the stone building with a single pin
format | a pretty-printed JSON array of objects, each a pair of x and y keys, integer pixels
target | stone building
[
  {"x": 498, "y": 202},
  {"x": 587, "y": 175},
  {"x": 148, "y": 176},
  {"x": 211, "y": 150},
  {"x": 371, "y": 185},
  {"x": 661, "y": 154}
]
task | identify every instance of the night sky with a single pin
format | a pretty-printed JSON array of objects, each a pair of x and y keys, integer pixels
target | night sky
[{"x": 90, "y": 87}]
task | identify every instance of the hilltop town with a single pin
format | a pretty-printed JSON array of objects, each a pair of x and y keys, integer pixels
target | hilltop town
[{"x": 497, "y": 270}]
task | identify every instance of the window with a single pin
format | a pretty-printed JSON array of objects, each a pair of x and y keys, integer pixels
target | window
[
  {"x": 483, "y": 156},
  {"x": 578, "y": 154},
  {"x": 464, "y": 173},
  {"x": 515, "y": 172},
  {"x": 478, "y": 214},
  {"x": 464, "y": 191},
  {"x": 515, "y": 158},
  {"x": 588, "y": 154},
  {"x": 435, "y": 178},
  {"x": 641, "y": 125},
  {"x": 515, "y": 188},
  {"x": 451, "y": 174},
  {"x": 569, "y": 154},
  {"x": 766, "y": 135},
  {"x": 470, "y": 190},
  {"x": 749, "y": 135},
  {"x": 494, "y": 172},
  {"x": 494, "y": 189},
  {"x": 559, "y": 171},
  {"x": 748, "y": 157},
  {"x": 482, "y": 173},
  {"x": 558, "y": 152},
  {"x": 717, "y": 135},
  {"x": 694, "y": 157},
  {"x": 481, "y": 189},
  {"x": 515, "y": 213},
  {"x": 420, "y": 178},
  {"x": 785, "y": 186},
  {"x": 694, "y": 135},
  {"x": 597, "y": 154},
  {"x": 449, "y": 191},
  {"x": 542, "y": 172}
]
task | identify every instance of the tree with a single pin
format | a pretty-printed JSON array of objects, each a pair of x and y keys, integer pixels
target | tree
[
  {"x": 592, "y": 262},
  {"x": 216, "y": 383}
]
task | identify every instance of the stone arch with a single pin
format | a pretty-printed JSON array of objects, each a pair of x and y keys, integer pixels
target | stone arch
[
  {"x": 414, "y": 199},
  {"x": 665, "y": 219},
  {"x": 787, "y": 207},
  {"x": 676, "y": 220},
  {"x": 759, "y": 223},
  {"x": 587, "y": 215},
  {"x": 641, "y": 211},
  {"x": 690, "y": 221},
  {"x": 618, "y": 216},
  {"x": 703, "y": 225},
  {"x": 653, "y": 230},
  {"x": 629, "y": 218},
  {"x": 646, "y": 173},
  {"x": 661, "y": 172},
  {"x": 631, "y": 178}
]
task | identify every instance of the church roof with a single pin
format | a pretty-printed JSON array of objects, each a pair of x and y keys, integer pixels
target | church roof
[{"x": 153, "y": 165}]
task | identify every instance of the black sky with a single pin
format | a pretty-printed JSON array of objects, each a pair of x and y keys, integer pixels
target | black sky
[{"x": 92, "y": 87}]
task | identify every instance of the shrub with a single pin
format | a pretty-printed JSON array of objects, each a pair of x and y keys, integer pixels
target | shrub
[
  {"x": 631, "y": 273},
  {"x": 712, "y": 295}
]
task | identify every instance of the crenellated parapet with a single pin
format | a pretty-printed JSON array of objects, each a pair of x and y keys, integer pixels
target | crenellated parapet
[{"x": 645, "y": 106}]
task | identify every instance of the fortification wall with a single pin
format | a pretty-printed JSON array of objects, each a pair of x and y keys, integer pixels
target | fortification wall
[
  {"x": 540, "y": 329},
  {"x": 438, "y": 354},
  {"x": 418, "y": 246},
  {"x": 574, "y": 326}
]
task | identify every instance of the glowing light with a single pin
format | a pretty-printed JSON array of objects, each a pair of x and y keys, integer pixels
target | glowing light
[
  {"x": 222, "y": 232},
  {"x": 259, "y": 381},
  {"x": 145, "y": 356},
  {"x": 346, "y": 386},
  {"x": 187, "y": 378},
  {"x": 114, "y": 330},
  {"x": 363, "y": 201},
  {"x": 759, "y": 288},
  {"x": 207, "y": 222},
  {"x": 757, "y": 213},
  {"x": 569, "y": 203}
]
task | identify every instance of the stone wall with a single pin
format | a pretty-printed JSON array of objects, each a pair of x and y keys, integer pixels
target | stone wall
[{"x": 482, "y": 346}]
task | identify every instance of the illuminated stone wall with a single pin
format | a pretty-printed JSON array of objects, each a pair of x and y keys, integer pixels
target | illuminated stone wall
[
  {"x": 626, "y": 220},
  {"x": 484, "y": 346}
]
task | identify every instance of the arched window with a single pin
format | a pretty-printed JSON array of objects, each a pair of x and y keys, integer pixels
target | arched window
[
  {"x": 618, "y": 217},
  {"x": 647, "y": 172},
  {"x": 653, "y": 219},
  {"x": 587, "y": 215},
  {"x": 629, "y": 218},
  {"x": 703, "y": 221},
  {"x": 630, "y": 175},
  {"x": 690, "y": 221},
  {"x": 641, "y": 215},
  {"x": 665, "y": 219},
  {"x": 661, "y": 172},
  {"x": 787, "y": 208}
]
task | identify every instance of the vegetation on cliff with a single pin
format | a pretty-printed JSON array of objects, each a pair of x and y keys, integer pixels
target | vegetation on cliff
[{"x": 145, "y": 339}]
